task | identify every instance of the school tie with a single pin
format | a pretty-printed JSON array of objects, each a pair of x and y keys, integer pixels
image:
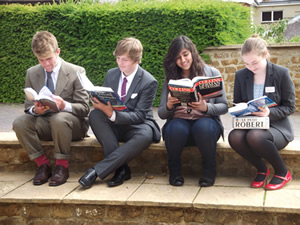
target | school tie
[
  {"x": 123, "y": 89},
  {"x": 50, "y": 84}
]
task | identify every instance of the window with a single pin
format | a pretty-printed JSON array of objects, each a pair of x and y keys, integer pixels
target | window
[{"x": 272, "y": 16}]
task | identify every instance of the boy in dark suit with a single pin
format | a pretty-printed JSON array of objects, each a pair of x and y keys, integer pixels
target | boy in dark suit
[
  {"x": 70, "y": 123},
  {"x": 135, "y": 126}
]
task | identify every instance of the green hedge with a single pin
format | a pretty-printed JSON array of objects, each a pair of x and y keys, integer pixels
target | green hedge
[{"x": 88, "y": 33}]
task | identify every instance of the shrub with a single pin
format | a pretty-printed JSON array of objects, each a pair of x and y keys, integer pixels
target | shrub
[{"x": 88, "y": 32}]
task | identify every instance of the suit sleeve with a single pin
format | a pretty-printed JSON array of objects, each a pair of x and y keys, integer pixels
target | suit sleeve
[
  {"x": 80, "y": 98},
  {"x": 138, "y": 111},
  {"x": 284, "y": 96}
]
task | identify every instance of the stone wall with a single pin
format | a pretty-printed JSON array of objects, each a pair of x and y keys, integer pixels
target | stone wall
[{"x": 228, "y": 60}]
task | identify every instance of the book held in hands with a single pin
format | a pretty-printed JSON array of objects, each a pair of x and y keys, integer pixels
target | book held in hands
[
  {"x": 186, "y": 90},
  {"x": 43, "y": 97},
  {"x": 246, "y": 108},
  {"x": 103, "y": 94}
]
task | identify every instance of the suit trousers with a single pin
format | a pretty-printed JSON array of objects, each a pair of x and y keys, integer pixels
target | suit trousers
[
  {"x": 136, "y": 139},
  {"x": 61, "y": 128}
]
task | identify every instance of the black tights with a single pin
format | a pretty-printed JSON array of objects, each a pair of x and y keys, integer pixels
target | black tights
[{"x": 255, "y": 146}]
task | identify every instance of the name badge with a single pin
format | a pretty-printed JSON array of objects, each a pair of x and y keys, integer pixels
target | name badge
[{"x": 270, "y": 89}]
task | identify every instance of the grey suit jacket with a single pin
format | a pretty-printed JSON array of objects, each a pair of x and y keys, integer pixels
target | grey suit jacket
[
  {"x": 139, "y": 99},
  {"x": 68, "y": 87},
  {"x": 215, "y": 106},
  {"x": 283, "y": 94}
]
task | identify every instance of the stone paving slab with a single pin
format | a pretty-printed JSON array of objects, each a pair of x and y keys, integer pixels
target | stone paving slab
[
  {"x": 227, "y": 193},
  {"x": 243, "y": 198},
  {"x": 29, "y": 193},
  {"x": 164, "y": 195}
]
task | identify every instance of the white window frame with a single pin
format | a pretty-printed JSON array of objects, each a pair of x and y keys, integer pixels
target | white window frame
[{"x": 272, "y": 16}]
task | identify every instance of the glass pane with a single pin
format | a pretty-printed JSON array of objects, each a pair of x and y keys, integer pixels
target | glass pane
[
  {"x": 277, "y": 15},
  {"x": 266, "y": 16}
]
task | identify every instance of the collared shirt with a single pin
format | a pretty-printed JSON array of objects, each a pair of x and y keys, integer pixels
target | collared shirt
[
  {"x": 54, "y": 76},
  {"x": 129, "y": 78}
]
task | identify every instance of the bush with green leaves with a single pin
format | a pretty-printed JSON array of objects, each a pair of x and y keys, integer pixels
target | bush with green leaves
[
  {"x": 273, "y": 32},
  {"x": 88, "y": 32}
]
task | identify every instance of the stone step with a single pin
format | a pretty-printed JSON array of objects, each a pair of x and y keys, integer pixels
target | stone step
[
  {"x": 145, "y": 200},
  {"x": 85, "y": 153}
]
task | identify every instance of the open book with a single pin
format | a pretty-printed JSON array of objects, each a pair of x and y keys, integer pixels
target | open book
[
  {"x": 246, "y": 108},
  {"x": 43, "y": 97},
  {"x": 186, "y": 89},
  {"x": 103, "y": 94}
]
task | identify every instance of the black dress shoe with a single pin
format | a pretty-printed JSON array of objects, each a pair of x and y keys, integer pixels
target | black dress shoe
[
  {"x": 60, "y": 176},
  {"x": 177, "y": 181},
  {"x": 42, "y": 175},
  {"x": 122, "y": 173},
  {"x": 88, "y": 179},
  {"x": 206, "y": 182}
]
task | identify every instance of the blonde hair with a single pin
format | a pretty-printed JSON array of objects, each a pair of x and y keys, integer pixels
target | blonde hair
[
  {"x": 131, "y": 46},
  {"x": 257, "y": 44},
  {"x": 43, "y": 44}
]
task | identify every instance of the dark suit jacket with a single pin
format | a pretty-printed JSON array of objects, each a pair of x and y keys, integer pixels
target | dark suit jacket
[
  {"x": 68, "y": 87},
  {"x": 139, "y": 99},
  {"x": 284, "y": 95}
]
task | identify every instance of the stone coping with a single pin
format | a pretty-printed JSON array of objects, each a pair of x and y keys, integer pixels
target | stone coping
[
  {"x": 9, "y": 138},
  {"x": 228, "y": 193}
]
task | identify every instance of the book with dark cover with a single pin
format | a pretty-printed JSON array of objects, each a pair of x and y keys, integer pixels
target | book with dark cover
[
  {"x": 246, "y": 108},
  {"x": 43, "y": 97},
  {"x": 186, "y": 90},
  {"x": 103, "y": 94}
]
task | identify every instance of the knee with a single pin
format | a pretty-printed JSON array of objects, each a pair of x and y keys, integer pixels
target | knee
[
  {"x": 60, "y": 121},
  {"x": 20, "y": 123},
  {"x": 96, "y": 115}
]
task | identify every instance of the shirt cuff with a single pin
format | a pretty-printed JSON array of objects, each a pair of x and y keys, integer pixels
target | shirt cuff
[
  {"x": 31, "y": 111},
  {"x": 113, "y": 117},
  {"x": 68, "y": 107}
]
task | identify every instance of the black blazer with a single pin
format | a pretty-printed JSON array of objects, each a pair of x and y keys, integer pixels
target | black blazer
[
  {"x": 139, "y": 99},
  {"x": 279, "y": 87}
]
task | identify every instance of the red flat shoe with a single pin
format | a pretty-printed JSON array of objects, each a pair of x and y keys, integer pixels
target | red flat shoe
[
  {"x": 258, "y": 184},
  {"x": 285, "y": 180}
]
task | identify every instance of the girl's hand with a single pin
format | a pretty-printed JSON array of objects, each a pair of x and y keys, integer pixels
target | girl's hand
[
  {"x": 200, "y": 105},
  {"x": 172, "y": 101},
  {"x": 264, "y": 111}
]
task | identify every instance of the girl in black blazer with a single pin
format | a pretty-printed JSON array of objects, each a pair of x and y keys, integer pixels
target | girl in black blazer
[{"x": 261, "y": 77}]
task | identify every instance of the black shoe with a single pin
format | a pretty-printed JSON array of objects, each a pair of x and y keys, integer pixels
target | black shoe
[
  {"x": 122, "y": 173},
  {"x": 206, "y": 182},
  {"x": 88, "y": 179},
  {"x": 177, "y": 181}
]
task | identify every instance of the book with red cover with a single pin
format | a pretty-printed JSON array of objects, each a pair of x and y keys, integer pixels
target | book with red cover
[{"x": 186, "y": 90}]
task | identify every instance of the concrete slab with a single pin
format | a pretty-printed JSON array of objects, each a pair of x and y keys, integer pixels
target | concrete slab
[
  {"x": 233, "y": 198},
  {"x": 283, "y": 200},
  {"x": 29, "y": 193},
  {"x": 164, "y": 195},
  {"x": 99, "y": 193},
  {"x": 6, "y": 187}
]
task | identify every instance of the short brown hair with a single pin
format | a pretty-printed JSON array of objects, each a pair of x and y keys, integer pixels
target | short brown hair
[
  {"x": 132, "y": 46},
  {"x": 44, "y": 43}
]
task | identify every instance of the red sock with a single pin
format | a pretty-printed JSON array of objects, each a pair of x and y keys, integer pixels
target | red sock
[
  {"x": 42, "y": 160},
  {"x": 62, "y": 162}
]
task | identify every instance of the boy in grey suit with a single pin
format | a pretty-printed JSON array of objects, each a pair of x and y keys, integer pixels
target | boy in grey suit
[
  {"x": 70, "y": 123},
  {"x": 135, "y": 126}
]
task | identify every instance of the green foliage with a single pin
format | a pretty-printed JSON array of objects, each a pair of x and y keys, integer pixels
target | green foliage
[
  {"x": 88, "y": 32},
  {"x": 273, "y": 32}
]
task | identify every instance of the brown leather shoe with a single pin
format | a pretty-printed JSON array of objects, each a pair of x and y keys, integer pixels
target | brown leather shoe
[
  {"x": 42, "y": 175},
  {"x": 60, "y": 176}
]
